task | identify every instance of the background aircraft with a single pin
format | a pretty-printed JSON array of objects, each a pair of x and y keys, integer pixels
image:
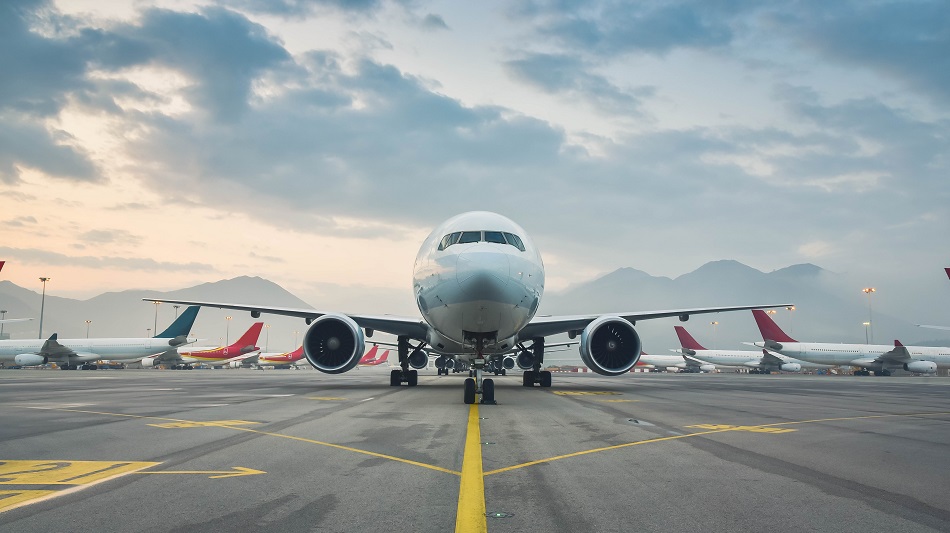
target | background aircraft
[
  {"x": 757, "y": 362},
  {"x": 877, "y": 358},
  {"x": 682, "y": 363},
  {"x": 478, "y": 280},
  {"x": 275, "y": 359},
  {"x": 71, "y": 354},
  {"x": 185, "y": 359}
]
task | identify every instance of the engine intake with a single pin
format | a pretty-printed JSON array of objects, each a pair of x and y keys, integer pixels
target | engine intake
[
  {"x": 333, "y": 344},
  {"x": 610, "y": 346},
  {"x": 418, "y": 359},
  {"x": 525, "y": 360}
]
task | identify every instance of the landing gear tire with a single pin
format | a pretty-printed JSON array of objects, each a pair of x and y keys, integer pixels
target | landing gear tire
[
  {"x": 412, "y": 378},
  {"x": 469, "y": 397},
  {"x": 527, "y": 379},
  {"x": 394, "y": 378},
  {"x": 545, "y": 379},
  {"x": 488, "y": 391},
  {"x": 504, "y": 372}
]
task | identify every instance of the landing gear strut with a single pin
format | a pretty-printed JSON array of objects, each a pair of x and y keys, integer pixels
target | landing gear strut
[
  {"x": 536, "y": 375},
  {"x": 476, "y": 384},
  {"x": 404, "y": 374}
]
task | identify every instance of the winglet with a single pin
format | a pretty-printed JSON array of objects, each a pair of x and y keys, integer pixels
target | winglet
[
  {"x": 897, "y": 343},
  {"x": 769, "y": 329},
  {"x": 686, "y": 340}
]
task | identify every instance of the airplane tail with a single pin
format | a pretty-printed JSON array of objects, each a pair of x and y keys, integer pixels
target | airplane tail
[
  {"x": 250, "y": 336},
  {"x": 370, "y": 355},
  {"x": 947, "y": 270},
  {"x": 686, "y": 340},
  {"x": 769, "y": 329},
  {"x": 182, "y": 325},
  {"x": 382, "y": 359}
]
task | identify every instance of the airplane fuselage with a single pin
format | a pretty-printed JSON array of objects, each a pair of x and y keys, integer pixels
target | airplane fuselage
[
  {"x": 478, "y": 280},
  {"x": 855, "y": 354},
  {"x": 115, "y": 349}
]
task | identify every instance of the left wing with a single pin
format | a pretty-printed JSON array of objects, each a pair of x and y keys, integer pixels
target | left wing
[
  {"x": 770, "y": 358},
  {"x": 414, "y": 328},
  {"x": 932, "y": 327},
  {"x": 543, "y": 326},
  {"x": 899, "y": 355}
]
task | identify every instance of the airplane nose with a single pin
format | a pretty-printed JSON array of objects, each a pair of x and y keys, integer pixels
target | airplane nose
[{"x": 482, "y": 272}]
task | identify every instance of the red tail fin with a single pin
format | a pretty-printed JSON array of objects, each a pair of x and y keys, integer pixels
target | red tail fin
[
  {"x": 769, "y": 329},
  {"x": 947, "y": 270},
  {"x": 250, "y": 336},
  {"x": 383, "y": 358},
  {"x": 4, "y": 262},
  {"x": 897, "y": 343},
  {"x": 686, "y": 340},
  {"x": 370, "y": 355}
]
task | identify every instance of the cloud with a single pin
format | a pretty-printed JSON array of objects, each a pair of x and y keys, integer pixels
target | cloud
[
  {"x": 110, "y": 236},
  {"x": 19, "y": 222},
  {"x": 433, "y": 22},
  {"x": 44, "y": 257},
  {"x": 298, "y": 8}
]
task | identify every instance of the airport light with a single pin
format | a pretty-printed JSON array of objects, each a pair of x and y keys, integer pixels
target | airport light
[
  {"x": 227, "y": 330},
  {"x": 148, "y": 332},
  {"x": 156, "y": 316},
  {"x": 176, "y": 310},
  {"x": 715, "y": 330},
  {"x": 771, "y": 311},
  {"x": 42, "y": 306},
  {"x": 87, "y": 327},
  {"x": 868, "y": 291},
  {"x": 866, "y": 324},
  {"x": 295, "y": 339},
  {"x": 3, "y": 315},
  {"x": 791, "y": 317},
  {"x": 266, "y": 336}
]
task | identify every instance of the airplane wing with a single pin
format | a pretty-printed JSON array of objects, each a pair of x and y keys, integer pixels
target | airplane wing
[
  {"x": 11, "y": 320},
  {"x": 543, "y": 326},
  {"x": 54, "y": 350},
  {"x": 168, "y": 356},
  {"x": 414, "y": 328},
  {"x": 898, "y": 355},
  {"x": 770, "y": 358},
  {"x": 932, "y": 327}
]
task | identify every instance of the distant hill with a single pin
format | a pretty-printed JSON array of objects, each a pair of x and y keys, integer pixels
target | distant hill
[{"x": 829, "y": 308}]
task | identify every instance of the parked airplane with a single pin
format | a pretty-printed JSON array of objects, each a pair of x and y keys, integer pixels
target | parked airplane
[
  {"x": 370, "y": 355},
  {"x": 275, "y": 359},
  {"x": 880, "y": 359},
  {"x": 682, "y": 363},
  {"x": 68, "y": 352},
  {"x": 184, "y": 359},
  {"x": 377, "y": 361},
  {"x": 477, "y": 281},
  {"x": 758, "y": 362}
]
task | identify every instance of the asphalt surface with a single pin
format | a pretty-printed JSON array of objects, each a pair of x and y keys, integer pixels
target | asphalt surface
[{"x": 142, "y": 450}]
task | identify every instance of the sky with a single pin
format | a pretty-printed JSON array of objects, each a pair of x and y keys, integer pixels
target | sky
[{"x": 161, "y": 144}]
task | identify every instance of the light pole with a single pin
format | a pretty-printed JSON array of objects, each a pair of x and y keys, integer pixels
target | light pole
[
  {"x": 87, "y": 327},
  {"x": 3, "y": 315},
  {"x": 266, "y": 336},
  {"x": 868, "y": 291},
  {"x": 866, "y": 324},
  {"x": 715, "y": 330},
  {"x": 791, "y": 319},
  {"x": 176, "y": 310},
  {"x": 148, "y": 332},
  {"x": 156, "y": 316},
  {"x": 295, "y": 339},
  {"x": 42, "y": 306},
  {"x": 227, "y": 330}
]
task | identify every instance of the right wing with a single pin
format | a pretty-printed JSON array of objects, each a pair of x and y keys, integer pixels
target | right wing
[{"x": 414, "y": 328}]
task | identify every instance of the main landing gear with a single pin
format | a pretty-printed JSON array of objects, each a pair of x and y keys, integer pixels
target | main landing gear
[
  {"x": 404, "y": 374},
  {"x": 536, "y": 375},
  {"x": 475, "y": 384}
]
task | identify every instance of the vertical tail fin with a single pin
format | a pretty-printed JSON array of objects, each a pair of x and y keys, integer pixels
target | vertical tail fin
[
  {"x": 383, "y": 358},
  {"x": 769, "y": 329},
  {"x": 250, "y": 336},
  {"x": 686, "y": 340},
  {"x": 182, "y": 325},
  {"x": 947, "y": 270},
  {"x": 370, "y": 355}
]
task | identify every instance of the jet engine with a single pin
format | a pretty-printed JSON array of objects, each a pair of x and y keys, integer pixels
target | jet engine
[
  {"x": 525, "y": 360},
  {"x": 508, "y": 363},
  {"x": 610, "y": 346},
  {"x": 418, "y": 359},
  {"x": 440, "y": 361},
  {"x": 791, "y": 367},
  {"x": 333, "y": 344},
  {"x": 30, "y": 359},
  {"x": 922, "y": 367},
  {"x": 707, "y": 368}
]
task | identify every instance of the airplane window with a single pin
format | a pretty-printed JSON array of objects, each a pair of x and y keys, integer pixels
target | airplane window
[
  {"x": 449, "y": 240},
  {"x": 495, "y": 236},
  {"x": 470, "y": 236},
  {"x": 515, "y": 241}
]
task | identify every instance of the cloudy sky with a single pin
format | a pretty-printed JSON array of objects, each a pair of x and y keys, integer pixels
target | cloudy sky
[{"x": 160, "y": 144}]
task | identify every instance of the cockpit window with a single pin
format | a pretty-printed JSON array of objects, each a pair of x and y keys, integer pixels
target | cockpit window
[
  {"x": 494, "y": 236},
  {"x": 470, "y": 236},
  {"x": 497, "y": 237},
  {"x": 515, "y": 241}
]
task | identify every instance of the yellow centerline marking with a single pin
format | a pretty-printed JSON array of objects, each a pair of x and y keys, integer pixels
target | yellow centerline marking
[
  {"x": 278, "y": 435},
  {"x": 237, "y": 471},
  {"x": 470, "y": 514},
  {"x": 11, "y": 499}
]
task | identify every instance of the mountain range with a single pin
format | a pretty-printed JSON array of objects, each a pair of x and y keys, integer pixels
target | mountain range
[{"x": 828, "y": 308}]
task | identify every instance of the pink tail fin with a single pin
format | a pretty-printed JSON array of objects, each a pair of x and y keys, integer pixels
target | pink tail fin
[
  {"x": 686, "y": 340},
  {"x": 947, "y": 270},
  {"x": 769, "y": 329}
]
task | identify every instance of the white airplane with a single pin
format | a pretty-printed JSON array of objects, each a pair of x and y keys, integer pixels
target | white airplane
[
  {"x": 880, "y": 359},
  {"x": 758, "y": 362},
  {"x": 68, "y": 352},
  {"x": 477, "y": 281},
  {"x": 185, "y": 358},
  {"x": 681, "y": 363}
]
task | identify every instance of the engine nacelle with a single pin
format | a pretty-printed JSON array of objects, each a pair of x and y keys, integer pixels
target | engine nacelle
[
  {"x": 333, "y": 344},
  {"x": 791, "y": 367},
  {"x": 525, "y": 360},
  {"x": 29, "y": 359},
  {"x": 921, "y": 367},
  {"x": 707, "y": 368},
  {"x": 610, "y": 346},
  {"x": 148, "y": 362},
  {"x": 418, "y": 359},
  {"x": 508, "y": 363},
  {"x": 440, "y": 361},
  {"x": 449, "y": 363}
]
